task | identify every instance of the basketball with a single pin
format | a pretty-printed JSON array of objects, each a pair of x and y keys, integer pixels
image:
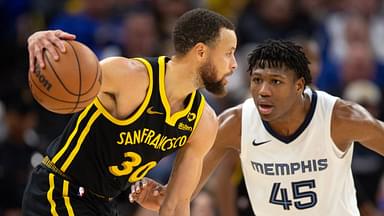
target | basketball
[{"x": 69, "y": 84}]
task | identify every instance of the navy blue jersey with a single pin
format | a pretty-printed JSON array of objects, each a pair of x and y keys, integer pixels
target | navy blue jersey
[{"x": 106, "y": 154}]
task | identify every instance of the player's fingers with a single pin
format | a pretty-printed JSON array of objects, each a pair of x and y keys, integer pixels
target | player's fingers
[
  {"x": 31, "y": 62},
  {"x": 51, "y": 49},
  {"x": 56, "y": 41},
  {"x": 65, "y": 35},
  {"x": 131, "y": 198},
  {"x": 144, "y": 181},
  {"x": 38, "y": 54},
  {"x": 156, "y": 193},
  {"x": 133, "y": 188},
  {"x": 138, "y": 187}
]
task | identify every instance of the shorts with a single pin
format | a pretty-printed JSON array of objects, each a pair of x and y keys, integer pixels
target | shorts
[{"x": 48, "y": 193}]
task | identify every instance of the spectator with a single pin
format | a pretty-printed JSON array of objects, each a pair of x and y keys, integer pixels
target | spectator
[{"x": 16, "y": 152}]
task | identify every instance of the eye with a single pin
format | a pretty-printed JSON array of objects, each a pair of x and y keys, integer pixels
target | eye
[
  {"x": 276, "y": 82},
  {"x": 257, "y": 80}
]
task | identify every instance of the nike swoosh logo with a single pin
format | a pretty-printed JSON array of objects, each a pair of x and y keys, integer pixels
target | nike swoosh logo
[
  {"x": 150, "y": 111},
  {"x": 260, "y": 143}
]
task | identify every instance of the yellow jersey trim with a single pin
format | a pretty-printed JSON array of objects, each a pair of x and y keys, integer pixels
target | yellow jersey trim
[
  {"x": 80, "y": 141},
  {"x": 140, "y": 111},
  {"x": 199, "y": 111},
  {"x": 66, "y": 198},
  {"x": 70, "y": 138},
  {"x": 171, "y": 120},
  {"x": 50, "y": 194}
]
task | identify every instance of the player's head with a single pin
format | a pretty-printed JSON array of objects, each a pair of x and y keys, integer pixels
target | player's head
[
  {"x": 279, "y": 73},
  {"x": 210, "y": 38}
]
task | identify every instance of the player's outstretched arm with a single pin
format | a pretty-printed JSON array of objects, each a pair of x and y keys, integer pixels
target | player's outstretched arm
[
  {"x": 222, "y": 185},
  {"x": 351, "y": 122},
  {"x": 41, "y": 40},
  {"x": 227, "y": 139},
  {"x": 187, "y": 166}
]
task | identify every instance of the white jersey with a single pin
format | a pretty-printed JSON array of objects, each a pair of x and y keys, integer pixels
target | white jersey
[{"x": 303, "y": 174}]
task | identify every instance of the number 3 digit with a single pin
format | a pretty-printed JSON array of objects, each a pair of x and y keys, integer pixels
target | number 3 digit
[{"x": 133, "y": 161}]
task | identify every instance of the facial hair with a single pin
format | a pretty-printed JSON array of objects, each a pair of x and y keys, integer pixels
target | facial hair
[{"x": 208, "y": 74}]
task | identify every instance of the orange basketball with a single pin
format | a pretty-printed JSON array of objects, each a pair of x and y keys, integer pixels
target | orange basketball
[{"x": 70, "y": 84}]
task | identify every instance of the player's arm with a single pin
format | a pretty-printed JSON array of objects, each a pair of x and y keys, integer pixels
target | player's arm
[
  {"x": 187, "y": 166},
  {"x": 222, "y": 185},
  {"x": 351, "y": 122},
  {"x": 227, "y": 139},
  {"x": 117, "y": 74}
]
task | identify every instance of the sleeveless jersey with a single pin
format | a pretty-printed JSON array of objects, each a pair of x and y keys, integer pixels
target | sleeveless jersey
[
  {"x": 106, "y": 154},
  {"x": 304, "y": 174}
]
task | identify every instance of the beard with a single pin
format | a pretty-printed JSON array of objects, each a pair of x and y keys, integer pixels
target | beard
[{"x": 208, "y": 74}]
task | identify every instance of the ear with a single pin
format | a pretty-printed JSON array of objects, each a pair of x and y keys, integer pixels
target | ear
[
  {"x": 300, "y": 85},
  {"x": 201, "y": 50}
]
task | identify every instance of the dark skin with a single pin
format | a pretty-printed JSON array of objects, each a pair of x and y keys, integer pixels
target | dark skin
[{"x": 278, "y": 96}]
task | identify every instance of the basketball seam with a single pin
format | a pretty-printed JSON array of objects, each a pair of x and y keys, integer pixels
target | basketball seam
[
  {"x": 97, "y": 73},
  {"x": 79, "y": 70},
  {"x": 52, "y": 97},
  {"x": 63, "y": 84},
  {"x": 57, "y": 76}
]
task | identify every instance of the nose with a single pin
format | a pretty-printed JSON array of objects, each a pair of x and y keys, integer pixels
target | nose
[
  {"x": 233, "y": 63},
  {"x": 264, "y": 90}
]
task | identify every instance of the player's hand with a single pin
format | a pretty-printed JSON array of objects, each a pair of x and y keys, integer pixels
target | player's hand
[
  {"x": 41, "y": 40},
  {"x": 148, "y": 193}
]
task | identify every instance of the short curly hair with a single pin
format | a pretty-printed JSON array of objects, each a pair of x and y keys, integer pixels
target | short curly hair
[
  {"x": 198, "y": 25},
  {"x": 279, "y": 53}
]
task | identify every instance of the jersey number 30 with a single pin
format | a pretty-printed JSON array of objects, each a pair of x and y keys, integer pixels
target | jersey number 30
[
  {"x": 303, "y": 197},
  {"x": 126, "y": 167}
]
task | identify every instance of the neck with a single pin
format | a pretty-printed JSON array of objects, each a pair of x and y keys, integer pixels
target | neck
[
  {"x": 294, "y": 117},
  {"x": 180, "y": 79}
]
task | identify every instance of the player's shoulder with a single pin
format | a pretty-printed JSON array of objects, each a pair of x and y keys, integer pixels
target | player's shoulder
[
  {"x": 209, "y": 117},
  {"x": 231, "y": 117},
  {"x": 121, "y": 72},
  {"x": 122, "y": 64},
  {"x": 346, "y": 112}
]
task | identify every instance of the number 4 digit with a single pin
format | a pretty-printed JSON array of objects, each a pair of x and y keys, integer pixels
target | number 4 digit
[{"x": 284, "y": 201}]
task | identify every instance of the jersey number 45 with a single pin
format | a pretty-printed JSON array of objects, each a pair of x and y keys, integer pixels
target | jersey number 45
[{"x": 303, "y": 197}]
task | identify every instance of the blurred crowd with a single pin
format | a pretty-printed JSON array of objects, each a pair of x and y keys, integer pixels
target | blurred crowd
[{"x": 342, "y": 39}]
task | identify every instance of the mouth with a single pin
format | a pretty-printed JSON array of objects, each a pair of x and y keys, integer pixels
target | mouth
[
  {"x": 224, "y": 81},
  {"x": 265, "y": 109},
  {"x": 225, "y": 78}
]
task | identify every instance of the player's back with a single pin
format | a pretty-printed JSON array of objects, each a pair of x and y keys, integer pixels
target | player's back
[{"x": 303, "y": 174}]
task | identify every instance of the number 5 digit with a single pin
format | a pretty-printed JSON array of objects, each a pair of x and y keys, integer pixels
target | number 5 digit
[{"x": 297, "y": 194}]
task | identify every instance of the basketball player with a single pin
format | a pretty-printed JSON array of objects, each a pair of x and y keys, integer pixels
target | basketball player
[
  {"x": 295, "y": 143},
  {"x": 147, "y": 108}
]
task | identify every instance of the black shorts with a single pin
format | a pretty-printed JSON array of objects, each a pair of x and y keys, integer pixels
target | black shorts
[{"x": 50, "y": 194}]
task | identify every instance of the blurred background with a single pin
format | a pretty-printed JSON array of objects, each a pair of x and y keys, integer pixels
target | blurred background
[{"x": 342, "y": 38}]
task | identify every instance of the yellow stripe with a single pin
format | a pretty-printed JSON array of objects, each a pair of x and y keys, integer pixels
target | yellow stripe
[
  {"x": 66, "y": 198},
  {"x": 199, "y": 111},
  {"x": 80, "y": 141},
  {"x": 69, "y": 140},
  {"x": 143, "y": 105},
  {"x": 49, "y": 194},
  {"x": 171, "y": 120}
]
